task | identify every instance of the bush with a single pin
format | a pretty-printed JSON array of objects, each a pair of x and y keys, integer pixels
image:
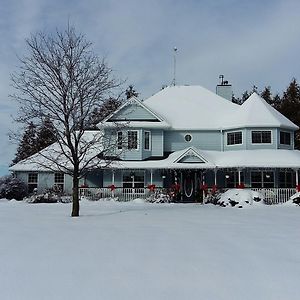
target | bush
[
  {"x": 52, "y": 195},
  {"x": 12, "y": 188}
]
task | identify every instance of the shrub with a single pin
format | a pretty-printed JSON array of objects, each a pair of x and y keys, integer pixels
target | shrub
[{"x": 12, "y": 188}]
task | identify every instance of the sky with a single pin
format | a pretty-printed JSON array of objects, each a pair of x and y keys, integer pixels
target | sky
[{"x": 250, "y": 42}]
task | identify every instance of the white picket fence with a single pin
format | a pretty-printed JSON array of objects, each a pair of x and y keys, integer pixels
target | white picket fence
[
  {"x": 275, "y": 195},
  {"x": 271, "y": 195},
  {"x": 123, "y": 194}
]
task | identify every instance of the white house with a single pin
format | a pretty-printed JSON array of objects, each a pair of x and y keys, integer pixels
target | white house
[{"x": 190, "y": 139}]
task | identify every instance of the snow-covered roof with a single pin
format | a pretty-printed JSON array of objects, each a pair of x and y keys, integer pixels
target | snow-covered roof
[
  {"x": 53, "y": 158},
  {"x": 261, "y": 158},
  {"x": 256, "y": 112},
  {"x": 194, "y": 108},
  {"x": 191, "y": 107},
  {"x": 134, "y": 124}
]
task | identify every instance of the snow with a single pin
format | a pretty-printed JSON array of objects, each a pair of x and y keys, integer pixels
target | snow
[
  {"x": 196, "y": 106},
  {"x": 201, "y": 108},
  {"x": 240, "y": 198},
  {"x": 148, "y": 251}
]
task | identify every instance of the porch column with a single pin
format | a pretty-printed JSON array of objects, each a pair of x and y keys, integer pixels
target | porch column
[
  {"x": 297, "y": 177},
  {"x": 181, "y": 184},
  {"x": 215, "y": 171},
  {"x": 239, "y": 174},
  {"x": 151, "y": 176},
  {"x": 113, "y": 177}
]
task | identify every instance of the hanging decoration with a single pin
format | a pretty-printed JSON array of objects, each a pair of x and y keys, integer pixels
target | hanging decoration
[
  {"x": 112, "y": 187},
  {"x": 240, "y": 186},
  {"x": 298, "y": 188},
  {"x": 151, "y": 187}
]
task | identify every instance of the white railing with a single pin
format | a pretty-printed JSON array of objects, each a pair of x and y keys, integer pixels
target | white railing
[
  {"x": 275, "y": 195},
  {"x": 271, "y": 195},
  {"x": 122, "y": 194}
]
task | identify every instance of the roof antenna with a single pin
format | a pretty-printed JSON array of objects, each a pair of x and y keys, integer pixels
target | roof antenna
[{"x": 174, "y": 74}]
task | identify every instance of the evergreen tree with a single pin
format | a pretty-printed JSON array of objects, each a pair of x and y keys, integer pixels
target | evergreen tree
[
  {"x": 27, "y": 146},
  {"x": 45, "y": 134},
  {"x": 100, "y": 113},
  {"x": 267, "y": 95},
  {"x": 290, "y": 106},
  {"x": 130, "y": 91}
]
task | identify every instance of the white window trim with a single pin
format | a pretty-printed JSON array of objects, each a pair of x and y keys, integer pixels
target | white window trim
[
  {"x": 234, "y": 145},
  {"x": 138, "y": 140},
  {"x": 56, "y": 183},
  {"x": 37, "y": 182},
  {"x": 272, "y": 140},
  {"x": 150, "y": 140},
  {"x": 287, "y": 145}
]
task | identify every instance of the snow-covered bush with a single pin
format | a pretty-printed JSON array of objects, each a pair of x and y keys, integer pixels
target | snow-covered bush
[
  {"x": 52, "y": 195},
  {"x": 159, "y": 196},
  {"x": 239, "y": 198},
  {"x": 295, "y": 199},
  {"x": 12, "y": 188}
]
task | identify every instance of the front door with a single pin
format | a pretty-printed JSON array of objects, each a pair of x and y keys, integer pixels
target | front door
[{"x": 189, "y": 187}]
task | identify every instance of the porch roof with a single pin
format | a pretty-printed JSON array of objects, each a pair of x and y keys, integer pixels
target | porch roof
[{"x": 264, "y": 158}]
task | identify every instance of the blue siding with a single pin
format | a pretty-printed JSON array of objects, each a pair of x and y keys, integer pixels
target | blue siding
[{"x": 205, "y": 140}]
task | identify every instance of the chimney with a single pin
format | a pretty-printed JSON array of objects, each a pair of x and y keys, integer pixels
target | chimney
[{"x": 224, "y": 89}]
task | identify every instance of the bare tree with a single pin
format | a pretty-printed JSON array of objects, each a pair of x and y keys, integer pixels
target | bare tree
[{"x": 63, "y": 80}]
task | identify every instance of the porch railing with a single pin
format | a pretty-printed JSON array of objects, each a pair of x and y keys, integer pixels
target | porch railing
[
  {"x": 271, "y": 195},
  {"x": 123, "y": 194},
  {"x": 275, "y": 195}
]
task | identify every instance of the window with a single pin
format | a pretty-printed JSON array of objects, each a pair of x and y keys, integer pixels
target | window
[
  {"x": 286, "y": 179},
  {"x": 234, "y": 138},
  {"x": 147, "y": 140},
  {"x": 262, "y": 179},
  {"x": 285, "y": 138},
  {"x": 133, "y": 180},
  {"x": 188, "y": 137},
  {"x": 232, "y": 179},
  {"x": 132, "y": 139},
  {"x": 32, "y": 181},
  {"x": 261, "y": 137},
  {"x": 119, "y": 139},
  {"x": 59, "y": 179}
]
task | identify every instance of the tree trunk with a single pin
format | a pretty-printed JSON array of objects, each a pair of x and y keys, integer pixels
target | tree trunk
[{"x": 75, "y": 206}]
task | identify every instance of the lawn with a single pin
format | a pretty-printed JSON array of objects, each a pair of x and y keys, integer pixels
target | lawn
[{"x": 148, "y": 251}]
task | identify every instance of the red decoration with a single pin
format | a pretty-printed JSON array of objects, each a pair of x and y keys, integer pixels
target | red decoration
[
  {"x": 84, "y": 186},
  {"x": 204, "y": 187},
  {"x": 112, "y": 187},
  {"x": 241, "y": 185},
  {"x": 176, "y": 187},
  {"x": 214, "y": 188},
  {"x": 298, "y": 187},
  {"x": 151, "y": 187}
]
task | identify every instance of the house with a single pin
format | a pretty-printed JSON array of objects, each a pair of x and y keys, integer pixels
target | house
[{"x": 192, "y": 139}]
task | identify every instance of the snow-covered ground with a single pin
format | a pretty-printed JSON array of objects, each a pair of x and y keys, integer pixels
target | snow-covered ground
[{"x": 148, "y": 251}]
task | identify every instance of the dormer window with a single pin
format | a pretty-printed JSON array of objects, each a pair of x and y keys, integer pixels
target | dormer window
[{"x": 285, "y": 138}]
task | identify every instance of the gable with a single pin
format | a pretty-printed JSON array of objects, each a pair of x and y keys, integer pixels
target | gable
[
  {"x": 133, "y": 112},
  {"x": 191, "y": 156}
]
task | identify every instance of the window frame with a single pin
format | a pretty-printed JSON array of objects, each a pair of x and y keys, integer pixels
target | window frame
[
  {"x": 263, "y": 182},
  {"x": 32, "y": 184},
  {"x": 234, "y": 138},
  {"x": 59, "y": 184},
  {"x": 130, "y": 181},
  {"x": 149, "y": 140},
  {"x": 188, "y": 134},
  {"x": 261, "y": 137},
  {"x": 285, "y": 133},
  {"x": 119, "y": 142},
  {"x": 137, "y": 140}
]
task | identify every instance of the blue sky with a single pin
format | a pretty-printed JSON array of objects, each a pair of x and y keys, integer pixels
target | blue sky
[{"x": 250, "y": 42}]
